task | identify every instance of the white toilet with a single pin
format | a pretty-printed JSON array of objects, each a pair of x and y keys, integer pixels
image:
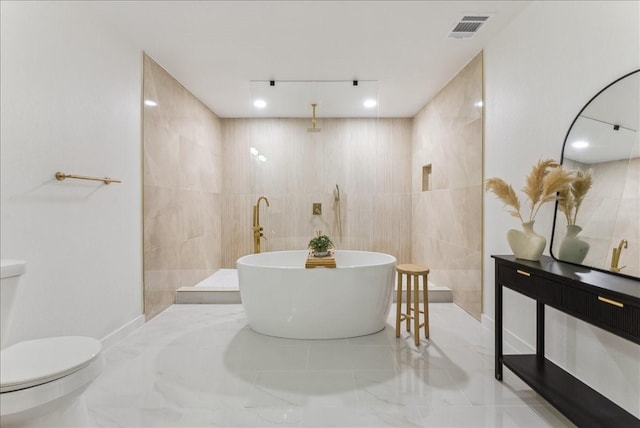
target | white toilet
[{"x": 42, "y": 380}]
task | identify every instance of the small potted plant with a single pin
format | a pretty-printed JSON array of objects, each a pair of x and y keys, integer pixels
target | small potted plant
[{"x": 320, "y": 244}]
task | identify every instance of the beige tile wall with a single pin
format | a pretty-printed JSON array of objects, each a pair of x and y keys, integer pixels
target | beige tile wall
[
  {"x": 367, "y": 158},
  {"x": 447, "y": 220},
  {"x": 182, "y": 145}
]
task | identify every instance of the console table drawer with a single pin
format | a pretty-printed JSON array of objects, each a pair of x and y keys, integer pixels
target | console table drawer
[
  {"x": 527, "y": 283},
  {"x": 606, "y": 312}
]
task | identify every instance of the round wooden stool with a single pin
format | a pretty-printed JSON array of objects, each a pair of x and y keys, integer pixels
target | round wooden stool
[{"x": 413, "y": 312}]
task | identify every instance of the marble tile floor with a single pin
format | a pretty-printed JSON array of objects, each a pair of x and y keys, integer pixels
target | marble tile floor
[{"x": 202, "y": 366}]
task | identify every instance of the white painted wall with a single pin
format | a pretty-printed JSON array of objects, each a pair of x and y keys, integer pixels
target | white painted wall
[
  {"x": 539, "y": 72},
  {"x": 71, "y": 93}
]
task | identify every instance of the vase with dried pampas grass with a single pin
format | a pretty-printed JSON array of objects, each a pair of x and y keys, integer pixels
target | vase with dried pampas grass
[
  {"x": 572, "y": 248},
  {"x": 543, "y": 183}
]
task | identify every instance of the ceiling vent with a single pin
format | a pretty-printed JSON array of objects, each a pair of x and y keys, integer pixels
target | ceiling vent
[{"x": 468, "y": 25}]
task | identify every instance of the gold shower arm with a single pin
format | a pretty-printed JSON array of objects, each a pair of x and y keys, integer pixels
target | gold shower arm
[
  {"x": 313, "y": 118},
  {"x": 106, "y": 180}
]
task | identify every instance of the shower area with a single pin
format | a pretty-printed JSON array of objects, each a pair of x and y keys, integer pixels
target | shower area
[
  {"x": 346, "y": 177},
  {"x": 355, "y": 177}
]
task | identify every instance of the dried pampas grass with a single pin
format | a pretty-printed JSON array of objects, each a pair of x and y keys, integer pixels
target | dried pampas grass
[
  {"x": 505, "y": 193},
  {"x": 571, "y": 197},
  {"x": 534, "y": 188},
  {"x": 580, "y": 184},
  {"x": 543, "y": 183}
]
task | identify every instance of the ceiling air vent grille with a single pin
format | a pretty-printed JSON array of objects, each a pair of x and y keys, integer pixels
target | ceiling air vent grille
[
  {"x": 468, "y": 25},
  {"x": 475, "y": 18}
]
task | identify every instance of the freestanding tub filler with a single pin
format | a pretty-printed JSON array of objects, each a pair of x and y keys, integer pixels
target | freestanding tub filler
[{"x": 282, "y": 298}]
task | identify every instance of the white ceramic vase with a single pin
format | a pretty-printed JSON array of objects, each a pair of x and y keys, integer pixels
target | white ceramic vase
[
  {"x": 526, "y": 244},
  {"x": 572, "y": 248}
]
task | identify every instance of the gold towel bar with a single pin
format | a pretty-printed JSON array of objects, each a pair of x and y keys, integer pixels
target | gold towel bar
[{"x": 106, "y": 180}]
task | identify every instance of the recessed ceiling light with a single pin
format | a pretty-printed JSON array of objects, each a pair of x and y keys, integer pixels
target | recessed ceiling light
[
  {"x": 581, "y": 144},
  {"x": 150, "y": 103},
  {"x": 479, "y": 103},
  {"x": 262, "y": 158},
  {"x": 260, "y": 103},
  {"x": 253, "y": 151},
  {"x": 370, "y": 103}
]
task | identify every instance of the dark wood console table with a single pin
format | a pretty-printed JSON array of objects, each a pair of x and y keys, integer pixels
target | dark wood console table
[{"x": 607, "y": 301}]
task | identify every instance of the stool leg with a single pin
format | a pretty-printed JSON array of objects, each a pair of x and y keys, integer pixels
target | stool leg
[
  {"x": 416, "y": 311},
  {"x": 398, "y": 304},
  {"x": 425, "y": 298},
  {"x": 408, "y": 302}
]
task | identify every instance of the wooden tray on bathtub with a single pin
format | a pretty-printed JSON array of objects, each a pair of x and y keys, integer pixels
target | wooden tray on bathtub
[{"x": 328, "y": 261}]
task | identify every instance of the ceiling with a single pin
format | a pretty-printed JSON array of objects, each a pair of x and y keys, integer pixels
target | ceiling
[
  {"x": 222, "y": 51},
  {"x": 608, "y": 126}
]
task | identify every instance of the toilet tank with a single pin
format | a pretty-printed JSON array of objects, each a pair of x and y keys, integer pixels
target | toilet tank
[{"x": 10, "y": 272}]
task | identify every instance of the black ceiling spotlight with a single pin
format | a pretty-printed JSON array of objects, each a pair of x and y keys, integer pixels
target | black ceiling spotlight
[
  {"x": 616, "y": 127},
  {"x": 355, "y": 83},
  {"x": 272, "y": 83}
]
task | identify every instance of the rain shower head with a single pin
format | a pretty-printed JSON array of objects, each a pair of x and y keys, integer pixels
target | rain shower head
[{"x": 313, "y": 120}]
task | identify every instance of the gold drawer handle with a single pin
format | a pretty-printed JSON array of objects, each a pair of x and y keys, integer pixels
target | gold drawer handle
[
  {"x": 521, "y": 272},
  {"x": 611, "y": 302}
]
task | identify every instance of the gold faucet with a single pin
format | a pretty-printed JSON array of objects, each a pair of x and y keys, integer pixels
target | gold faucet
[
  {"x": 615, "y": 258},
  {"x": 257, "y": 229}
]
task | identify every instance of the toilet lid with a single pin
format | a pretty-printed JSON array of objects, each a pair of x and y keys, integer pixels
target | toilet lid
[{"x": 34, "y": 362}]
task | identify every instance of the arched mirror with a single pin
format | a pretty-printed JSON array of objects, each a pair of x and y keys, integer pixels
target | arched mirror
[{"x": 597, "y": 221}]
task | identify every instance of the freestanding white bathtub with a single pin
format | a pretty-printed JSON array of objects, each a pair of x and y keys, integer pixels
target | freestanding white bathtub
[{"x": 282, "y": 298}]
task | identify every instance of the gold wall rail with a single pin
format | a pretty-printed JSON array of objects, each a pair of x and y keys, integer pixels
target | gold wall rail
[{"x": 106, "y": 180}]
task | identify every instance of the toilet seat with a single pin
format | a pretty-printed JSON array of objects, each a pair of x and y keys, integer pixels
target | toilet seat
[{"x": 36, "y": 362}]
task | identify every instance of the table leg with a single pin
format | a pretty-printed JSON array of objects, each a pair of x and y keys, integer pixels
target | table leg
[
  {"x": 498, "y": 331},
  {"x": 540, "y": 329}
]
